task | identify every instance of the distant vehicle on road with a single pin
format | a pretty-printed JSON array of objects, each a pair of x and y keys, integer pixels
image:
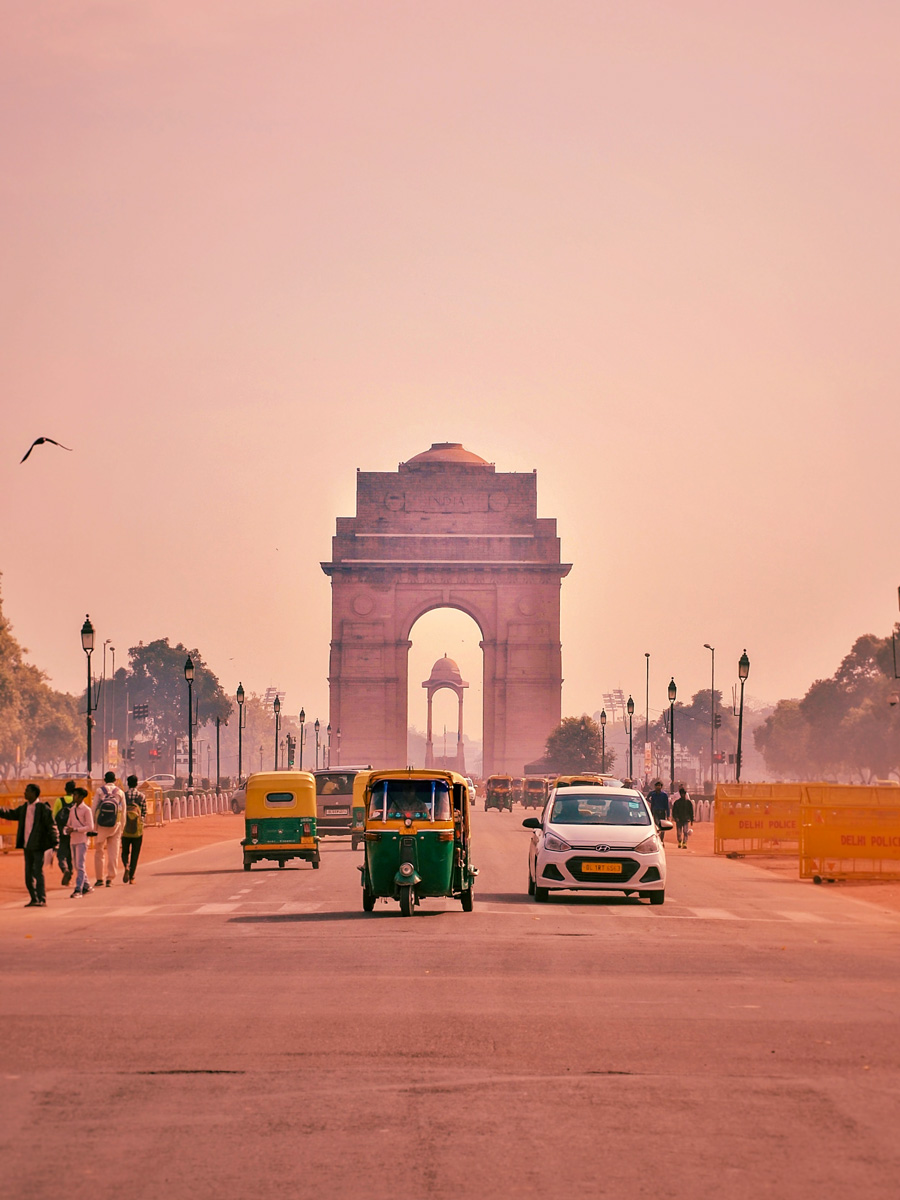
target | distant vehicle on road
[
  {"x": 334, "y": 800},
  {"x": 599, "y": 839},
  {"x": 498, "y": 793},
  {"x": 164, "y": 781}
]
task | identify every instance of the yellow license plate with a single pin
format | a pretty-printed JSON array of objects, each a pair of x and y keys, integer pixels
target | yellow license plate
[{"x": 601, "y": 868}]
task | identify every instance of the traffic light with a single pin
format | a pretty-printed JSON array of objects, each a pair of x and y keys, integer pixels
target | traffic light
[
  {"x": 129, "y": 753},
  {"x": 140, "y": 712},
  {"x": 291, "y": 747},
  {"x": 719, "y": 756},
  {"x": 717, "y": 720},
  {"x": 154, "y": 753}
]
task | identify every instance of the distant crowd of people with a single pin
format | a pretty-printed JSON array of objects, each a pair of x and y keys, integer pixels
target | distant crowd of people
[{"x": 114, "y": 822}]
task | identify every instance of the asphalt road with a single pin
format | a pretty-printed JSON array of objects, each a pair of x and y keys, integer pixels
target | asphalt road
[{"x": 215, "y": 1033}]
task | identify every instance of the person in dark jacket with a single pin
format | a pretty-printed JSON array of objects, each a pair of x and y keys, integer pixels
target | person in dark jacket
[
  {"x": 659, "y": 806},
  {"x": 683, "y": 816},
  {"x": 36, "y": 835}
]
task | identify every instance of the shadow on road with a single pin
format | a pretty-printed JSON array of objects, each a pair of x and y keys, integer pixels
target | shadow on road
[{"x": 324, "y": 917}]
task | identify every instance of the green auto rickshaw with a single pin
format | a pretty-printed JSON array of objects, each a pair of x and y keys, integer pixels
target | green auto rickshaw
[
  {"x": 280, "y": 818},
  {"x": 417, "y": 838}
]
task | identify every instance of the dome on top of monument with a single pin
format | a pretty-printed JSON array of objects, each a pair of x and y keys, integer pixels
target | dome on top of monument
[
  {"x": 445, "y": 670},
  {"x": 448, "y": 452}
]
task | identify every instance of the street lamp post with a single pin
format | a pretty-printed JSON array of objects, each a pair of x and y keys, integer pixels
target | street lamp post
[
  {"x": 219, "y": 723},
  {"x": 189, "y": 676},
  {"x": 260, "y": 757},
  {"x": 328, "y": 743},
  {"x": 647, "y": 714},
  {"x": 302, "y": 734},
  {"x": 339, "y": 745},
  {"x": 316, "y": 727},
  {"x": 629, "y": 708},
  {"x": 87, "y": 645},
  {"x": 276, "y": 704},
  {"x": 673, "y": 691},
  {"x": 240, "y": 702},
  {"x": 712, "y": 712},
  {"x": 602, "y": 741},
  {"x": 743, "y": 672}
]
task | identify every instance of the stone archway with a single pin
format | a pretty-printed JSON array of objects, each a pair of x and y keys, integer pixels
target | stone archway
[{"x": 445, "y": 531}]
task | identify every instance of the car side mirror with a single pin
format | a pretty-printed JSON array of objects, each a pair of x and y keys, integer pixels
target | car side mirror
[
  {"x": 532, "y": 823},
  {"x": 664, "y": 824}
]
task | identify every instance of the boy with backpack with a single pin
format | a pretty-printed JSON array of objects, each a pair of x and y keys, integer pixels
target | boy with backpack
[
  {"x": 109, "y": 820},
  {"x": 79, "y": 828},
  {"x": 133, "y": 833},
  {"x": 61, "y": 810}
]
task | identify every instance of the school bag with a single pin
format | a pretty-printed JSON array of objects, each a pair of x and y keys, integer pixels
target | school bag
[
  {"x": 134, "y": 820},
  {"x": 107, "y": 812},
  {"x": 62, "y": 817}
]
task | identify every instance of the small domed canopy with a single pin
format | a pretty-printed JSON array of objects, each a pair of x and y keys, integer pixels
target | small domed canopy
[
  {"x": 448, "y": 452},
  {"x": 445, "y": 671}
]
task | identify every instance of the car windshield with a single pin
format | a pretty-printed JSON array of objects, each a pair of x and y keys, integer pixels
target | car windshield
[
  {"x": 418, "y": 799},
  {"x": 598, "y": 810}
]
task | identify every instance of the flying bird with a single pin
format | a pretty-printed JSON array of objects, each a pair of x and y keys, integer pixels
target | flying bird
[{"x": 40, "y": 442}]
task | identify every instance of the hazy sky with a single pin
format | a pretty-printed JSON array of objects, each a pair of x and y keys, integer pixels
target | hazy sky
[{"x": 648, "y": 248}]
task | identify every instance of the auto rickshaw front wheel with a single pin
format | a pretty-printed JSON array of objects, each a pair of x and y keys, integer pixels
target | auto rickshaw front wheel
[
  {"x": 368, "y": 901},
  {"x": 407, "y": 901},
  {"x": 246, "y": 864},
  {"x": 281, "y": 864},
  {"x": 467, "y": 899},
  {"x": 315, "y": 863}
]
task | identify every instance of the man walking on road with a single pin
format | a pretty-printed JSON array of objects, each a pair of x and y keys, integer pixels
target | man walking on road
[
  {"x": 109, "y": 821},
  {"x": 683, "y": 816},
  {"x": 659, "y": 806},
  {"x": 36, "y": 835},
  {"x": 79, "y": 829},
  {"x": 133, "y": 833}
]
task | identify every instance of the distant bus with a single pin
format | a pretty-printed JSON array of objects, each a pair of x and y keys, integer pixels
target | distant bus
[{"x": 334, "y": 800}]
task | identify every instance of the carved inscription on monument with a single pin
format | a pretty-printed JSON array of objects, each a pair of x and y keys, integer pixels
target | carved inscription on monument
[{"x": 446, "y": 502}]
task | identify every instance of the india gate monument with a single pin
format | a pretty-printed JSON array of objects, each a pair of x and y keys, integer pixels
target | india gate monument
[{"x": 446, "y": 530}]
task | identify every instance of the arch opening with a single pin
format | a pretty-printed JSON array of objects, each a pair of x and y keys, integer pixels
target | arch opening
[{"x": 440, "y": 634}]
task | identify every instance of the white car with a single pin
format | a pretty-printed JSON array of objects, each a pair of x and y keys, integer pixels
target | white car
[{"x": 596, "y": 839}]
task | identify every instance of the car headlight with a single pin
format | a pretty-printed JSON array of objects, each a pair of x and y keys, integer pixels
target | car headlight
[
  {"x": 648, "y": 846},
  {"x": 554, "y": 843},
  {"x": 406, "y": 868}
]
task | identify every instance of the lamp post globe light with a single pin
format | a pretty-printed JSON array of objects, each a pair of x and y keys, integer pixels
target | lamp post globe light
[
  {"x": 87, "y": 645},
  {"x": 239, "y": 696},
  {"x": 602, "y": 741},
  {"x": 317, "y": 727},
  {"x": 276, "y": 705},
  {"x": 629, "y": 708},
  {"x": 673, "y": 692},
  {"x": 302, "y": 734},
  {"x": 189, "y": 676},
  {"x": 743, "y": 672}
]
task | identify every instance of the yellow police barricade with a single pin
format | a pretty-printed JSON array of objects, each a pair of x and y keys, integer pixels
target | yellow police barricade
[
  {"x": 849, "y": 832},
  {"x": 757, "y": 818}
]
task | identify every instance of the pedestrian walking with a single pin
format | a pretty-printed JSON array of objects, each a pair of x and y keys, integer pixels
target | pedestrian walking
[
  {"x": 683, "y": 816},
  {"x": 61, "y": 807},
  {"x": 133, "y": 833},
  {"x": 35, "y": 835},
  {"x": 659, "y": 806},
  {"x": 109, "y": 821},
  {"x": 80, "y": 827}
]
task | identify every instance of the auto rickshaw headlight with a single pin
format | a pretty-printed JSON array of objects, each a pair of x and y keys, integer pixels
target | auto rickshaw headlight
[{"x": 406, "y": 868}]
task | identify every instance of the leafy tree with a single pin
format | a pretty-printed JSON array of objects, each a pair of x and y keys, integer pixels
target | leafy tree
[
  {"x": 156, "y": 678},
  {"x": 845, "y": 727},
  {"x": 576, "y": 744}
]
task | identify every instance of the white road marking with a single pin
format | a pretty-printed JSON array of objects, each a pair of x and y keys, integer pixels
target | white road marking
[
  {"x": 301, "y": 906},
  {"x": 713, "y": 914},
  {"x": 805, "y": 918},
  {"x": 214, "y": 909}
]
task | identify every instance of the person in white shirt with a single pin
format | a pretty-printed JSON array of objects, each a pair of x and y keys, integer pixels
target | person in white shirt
[
  {"x": 109, "y": 821},
  {"x": 79, "y": 827}
]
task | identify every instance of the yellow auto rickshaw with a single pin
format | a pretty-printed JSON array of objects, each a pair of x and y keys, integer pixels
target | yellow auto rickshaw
[
  {"x": 417, "y": 838},
  {"x": 358, "y": 818},
  {"x": 280, "y": 818}
]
